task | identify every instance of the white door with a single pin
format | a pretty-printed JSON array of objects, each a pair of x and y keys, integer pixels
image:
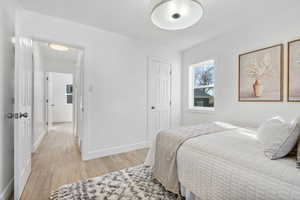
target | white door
[
  {"x": 22, "y": 110},
  {"x": 49, "y": 101},
  {"x": 159, "y": 97}
]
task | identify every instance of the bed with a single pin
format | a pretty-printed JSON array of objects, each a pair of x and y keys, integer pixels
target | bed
[{"x": 231, "y": 165}]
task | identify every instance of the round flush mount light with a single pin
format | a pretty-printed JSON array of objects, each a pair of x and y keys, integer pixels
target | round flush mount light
[
  {"x": 176, "y": 14},
  {"x": 58, "y": 47}
]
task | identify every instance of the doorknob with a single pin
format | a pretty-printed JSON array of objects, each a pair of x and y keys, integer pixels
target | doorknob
[
  {"x": 153, "y": 107},
  {"x": 25, "y": 115},
  {"x": 10, "y": 115}
]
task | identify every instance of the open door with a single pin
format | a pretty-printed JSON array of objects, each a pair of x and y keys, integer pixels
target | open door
[{"x": 22, "y": 113}]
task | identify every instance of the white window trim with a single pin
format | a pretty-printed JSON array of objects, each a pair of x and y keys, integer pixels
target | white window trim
[
  {"x": 205, "y": 86},
  {"x": 191, "y": 107}
]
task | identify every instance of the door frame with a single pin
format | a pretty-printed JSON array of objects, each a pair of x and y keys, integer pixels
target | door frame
[
  {"x": 82, "y": 124},
  {"x": 48, "y": 96},
  {"x": 149, "y": 59}
]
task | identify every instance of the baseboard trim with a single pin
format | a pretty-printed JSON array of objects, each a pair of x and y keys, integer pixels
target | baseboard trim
[
  {"x": 5, "y": 194},
  {"x": 38, "y": 142},
  {"x": 115, "y": 150},
  {"x": 64, "y": 122}
]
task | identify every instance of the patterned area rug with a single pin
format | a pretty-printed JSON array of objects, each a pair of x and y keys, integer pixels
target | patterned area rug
[{"x": 133, "y": 183}]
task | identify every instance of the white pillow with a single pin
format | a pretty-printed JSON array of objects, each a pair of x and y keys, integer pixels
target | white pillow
[{"x": 278, "y": 137}]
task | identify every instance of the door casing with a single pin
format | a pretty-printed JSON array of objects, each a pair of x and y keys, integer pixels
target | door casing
[{"x": 82, "y": 127}]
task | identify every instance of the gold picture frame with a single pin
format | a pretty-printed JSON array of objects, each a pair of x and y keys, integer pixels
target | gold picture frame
[
  {"x": 261, "y": 75},
  {"x": 293, "y": 91}
]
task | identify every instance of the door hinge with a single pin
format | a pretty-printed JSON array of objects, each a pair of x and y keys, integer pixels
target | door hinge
[
  {"x": 47, "y": 101},
  {"x": 47, "y": 123},
  {"x": 170, "y": 103},
  {"x": 47, "y": 78},
  {"x": 170, "y": 72},
  {"x": 13, "y": 100}
]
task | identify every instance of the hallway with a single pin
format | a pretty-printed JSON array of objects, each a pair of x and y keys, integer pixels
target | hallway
[{"x": 57, "y": 161}]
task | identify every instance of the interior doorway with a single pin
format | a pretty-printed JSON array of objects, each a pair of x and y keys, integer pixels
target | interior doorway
[
  {"x": 58, "y": 83},
  {"x": 59, "y": 101},
  {"x": 59, "y": 98},
  {"x": 57, "y": 89}
]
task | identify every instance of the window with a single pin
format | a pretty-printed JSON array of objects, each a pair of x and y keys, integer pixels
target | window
[
  {"x": 69, "y": 89},
  {"x": 202, "y": 85},
  {"x": 69, "y": 93}
]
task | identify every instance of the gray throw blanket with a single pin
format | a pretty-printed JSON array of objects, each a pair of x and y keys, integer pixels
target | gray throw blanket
[{"x": 167, "y": 145}]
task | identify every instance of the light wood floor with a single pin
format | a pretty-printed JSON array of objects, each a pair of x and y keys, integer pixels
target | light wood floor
[{"x": 57, "y": 161}]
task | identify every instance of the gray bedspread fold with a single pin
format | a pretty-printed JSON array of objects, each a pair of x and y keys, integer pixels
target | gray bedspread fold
[{"x": 166, "y": 146}]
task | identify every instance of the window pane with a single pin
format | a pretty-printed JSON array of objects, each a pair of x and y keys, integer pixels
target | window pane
[
  {"x": 69, "y": 89},
  {"x": 204, "y": 97},
  {"x": 69, "y": 99},
  {"x": 204, "y": 74},
  {"x": 202, "y": 88}
]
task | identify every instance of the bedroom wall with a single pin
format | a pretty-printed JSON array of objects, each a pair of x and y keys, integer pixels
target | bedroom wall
[
  {"x": 7, "y": 10},
  {"x": 115, "y": 80},
  {"x": 225, "y": 50}
]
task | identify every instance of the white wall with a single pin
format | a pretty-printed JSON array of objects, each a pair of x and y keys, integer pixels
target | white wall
[
  {"x": 115, "y": 81},
  {"x": 225, "y": 50},
  {"x": 62, "y": 112},
  {"x": 59, "y": 66},
  {"x": 39, "y": 128},
  {"x": 7, "y": 10}
]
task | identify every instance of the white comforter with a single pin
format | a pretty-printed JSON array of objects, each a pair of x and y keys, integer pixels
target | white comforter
[{"x": 231, "y": 165}]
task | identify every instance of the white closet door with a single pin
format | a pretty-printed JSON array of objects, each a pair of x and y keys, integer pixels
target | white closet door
[{"x": 159, "y": 97}]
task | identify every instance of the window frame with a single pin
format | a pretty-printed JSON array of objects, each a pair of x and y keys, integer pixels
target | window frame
[{"x": 191, "y": 79}]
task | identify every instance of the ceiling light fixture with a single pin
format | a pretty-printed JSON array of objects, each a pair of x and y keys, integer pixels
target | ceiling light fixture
[
  {"x": 58, "y": 47},
  {"x": 176, "y": 14}
]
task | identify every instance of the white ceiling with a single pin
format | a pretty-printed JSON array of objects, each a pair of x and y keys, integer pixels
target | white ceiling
[{"x": 131, "y": 17}]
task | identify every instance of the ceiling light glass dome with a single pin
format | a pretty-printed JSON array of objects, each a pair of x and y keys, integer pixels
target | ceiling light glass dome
[{"x": 176, "y": 14}]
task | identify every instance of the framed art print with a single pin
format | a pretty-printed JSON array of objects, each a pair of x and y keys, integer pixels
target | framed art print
[
  {"x": 294, "y": 71},
  {"x": 261, "y": 75}
]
